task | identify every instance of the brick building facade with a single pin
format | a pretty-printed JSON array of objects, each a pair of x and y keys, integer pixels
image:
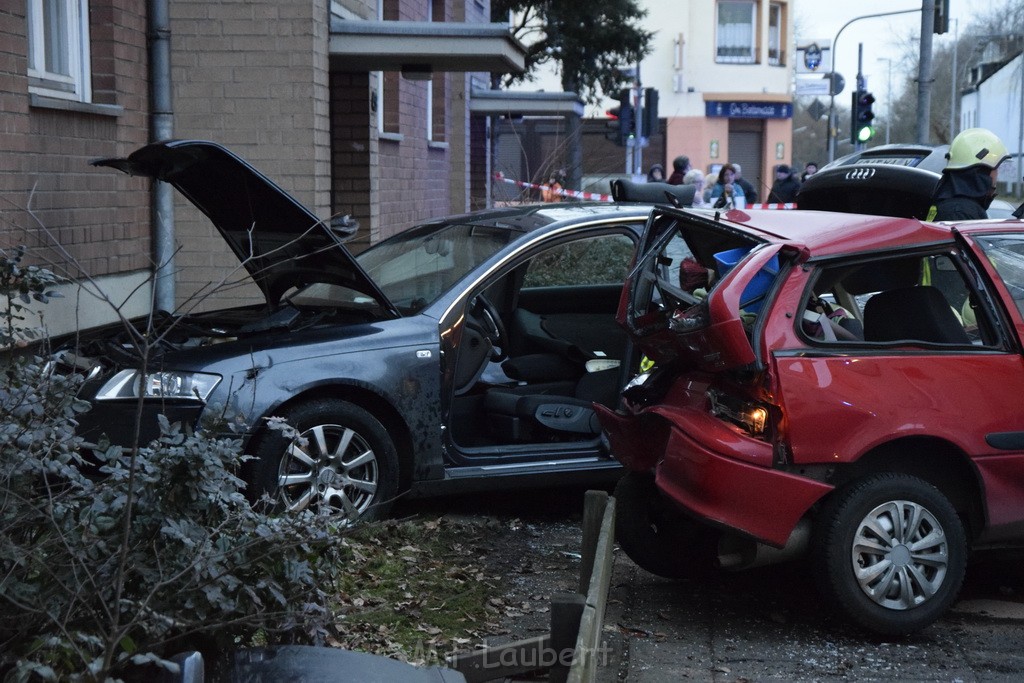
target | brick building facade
[
  {"x": 54, "y": 119},
  {"x": 357, "y": 107}
]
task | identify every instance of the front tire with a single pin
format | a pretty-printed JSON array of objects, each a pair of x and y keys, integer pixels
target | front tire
[
  {"x": 659, "y": 538},
  {"x": 891, "y": 551},
  {"x": 348, "y": 465}
]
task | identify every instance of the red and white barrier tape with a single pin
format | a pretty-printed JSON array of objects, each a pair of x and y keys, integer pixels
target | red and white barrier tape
[{"x": 596, "y": 196}]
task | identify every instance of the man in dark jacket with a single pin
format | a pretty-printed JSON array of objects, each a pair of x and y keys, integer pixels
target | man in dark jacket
[
  {"x": 749, "y": 191},
  {"x": 968, "y": 183},
  {"x": 680, "y": 165},
  {"x": 785, "y": 187}
]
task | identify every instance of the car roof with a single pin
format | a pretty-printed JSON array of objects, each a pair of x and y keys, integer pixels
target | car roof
[
  {"x": 529, "y": 217},
  {"x": 828, "y": 233}
]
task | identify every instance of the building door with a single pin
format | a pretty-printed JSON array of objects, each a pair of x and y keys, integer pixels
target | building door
[{"x": 746, "y": 146}]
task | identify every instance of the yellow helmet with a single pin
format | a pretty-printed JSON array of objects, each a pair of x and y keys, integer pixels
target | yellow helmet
[{"x": 975, "y": 147}]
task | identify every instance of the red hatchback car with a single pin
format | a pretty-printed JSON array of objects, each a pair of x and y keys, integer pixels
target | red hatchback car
[{"x": 840, "y": 386}]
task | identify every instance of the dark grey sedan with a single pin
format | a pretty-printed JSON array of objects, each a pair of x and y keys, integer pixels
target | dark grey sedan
[{"x": 462, "y": 354}]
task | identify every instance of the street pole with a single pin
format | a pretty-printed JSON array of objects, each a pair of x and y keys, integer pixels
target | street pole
[
  {"x": 832, "y": 99},
  {"x": 952, "y": 82},
  {"x": 924, "y": 72}
]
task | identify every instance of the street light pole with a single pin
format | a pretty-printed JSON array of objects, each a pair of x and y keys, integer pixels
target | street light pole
[
  {"x": 832, "y": 99},
  {"x": 953, "y": 81},
  {"x": 924, "y": 71}
]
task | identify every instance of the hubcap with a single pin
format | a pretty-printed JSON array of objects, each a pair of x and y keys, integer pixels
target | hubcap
[
  {"x": 900, "y": 555},
  {"x": 329, "y": 468}
]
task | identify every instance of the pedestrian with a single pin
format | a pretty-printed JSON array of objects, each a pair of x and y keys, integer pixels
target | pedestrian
[
  {"x": 785, "y": 187},
  {"x": 696, "y": 178},
  {"x": 680, "y": 165},
  {"x": 726, "y": 194},
  {"x": 810, "y": 168},
  {"x": 710, "y": 180},
  {"x": 968, "y": 183},
  {"x": 552, "y": 192},
  {"x": 656, "y": 174},
  {"x": 749, "y": 191}
]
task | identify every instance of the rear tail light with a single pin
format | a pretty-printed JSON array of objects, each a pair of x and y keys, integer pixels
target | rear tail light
[{"x": 750, "y": 416}]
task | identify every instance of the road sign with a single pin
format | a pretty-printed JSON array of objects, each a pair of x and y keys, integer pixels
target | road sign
[
  {"x": 812, "y": 84},
  {"x": 816, "y": 109}
]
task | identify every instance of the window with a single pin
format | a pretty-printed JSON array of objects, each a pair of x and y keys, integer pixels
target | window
[
  {"x": 437, "y": 91},
  {"x": 592, "y": 261},
  {"x": 736, "y": 33},
  {"x": 388, "y": 82},
  {"x": 909, "y": 300},
  {"x": 776, "y": 34},
  {"x": 1006, "y": 253},
  {"x": 58, "y": 49}
]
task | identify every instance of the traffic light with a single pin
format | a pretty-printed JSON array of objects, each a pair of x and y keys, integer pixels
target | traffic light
[
  {"x": 620, "y": 120},
  {"x": 627, "y": 117},
  {"x": 650, "y": 114},
  {"x": 941, "y": 24},
  {"x": 861, "y": 129}
]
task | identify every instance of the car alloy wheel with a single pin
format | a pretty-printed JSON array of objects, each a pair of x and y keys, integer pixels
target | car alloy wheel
[
  {"x": 343, "y": 462},
  {"x": 891, "y": 551},
  {"x": 329, "y": 466}
]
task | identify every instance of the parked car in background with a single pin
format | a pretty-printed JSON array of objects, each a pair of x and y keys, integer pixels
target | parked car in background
[
  {"x": 888, "y": 180},
  {"x": 462, "y": 354},
  {"x": 833, "y": 387}
]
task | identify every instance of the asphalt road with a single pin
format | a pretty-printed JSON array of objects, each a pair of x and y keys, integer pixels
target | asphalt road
[
  {"x": 762, "y": 624},
  {"x": 770, "y": 624}
]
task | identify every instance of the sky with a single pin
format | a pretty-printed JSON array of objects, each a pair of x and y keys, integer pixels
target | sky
[{"x": 884, "y": 38}]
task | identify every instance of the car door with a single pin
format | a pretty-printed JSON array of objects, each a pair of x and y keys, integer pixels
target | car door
[{"x": 916, "y": 372}]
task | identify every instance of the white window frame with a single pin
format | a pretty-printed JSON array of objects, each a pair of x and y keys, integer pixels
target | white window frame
[
  {"x": 73, "y": 36},
  {"x": 775, "y": 30},
  {"x": 732, "y": 36}
]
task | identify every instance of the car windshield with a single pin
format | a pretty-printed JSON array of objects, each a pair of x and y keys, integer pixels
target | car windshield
[{"x": 416, "y": 267}]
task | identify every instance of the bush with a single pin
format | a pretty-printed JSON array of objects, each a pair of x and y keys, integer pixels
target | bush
[{"x": 127, "y": 558}]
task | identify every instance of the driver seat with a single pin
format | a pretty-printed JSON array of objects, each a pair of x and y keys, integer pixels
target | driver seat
[{"x": 553, "y": 410}]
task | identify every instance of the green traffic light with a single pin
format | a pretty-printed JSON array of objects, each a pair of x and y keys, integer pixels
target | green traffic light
[{"x": 865, "y": 133}]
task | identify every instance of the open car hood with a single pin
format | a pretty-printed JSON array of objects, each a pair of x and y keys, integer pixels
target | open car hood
[{"x": 281, "y": 243}]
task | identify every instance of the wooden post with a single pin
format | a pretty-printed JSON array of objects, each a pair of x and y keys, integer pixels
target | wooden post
[
  {"x": 566, "y": 610},
  {"x": 593, "y": 513}
]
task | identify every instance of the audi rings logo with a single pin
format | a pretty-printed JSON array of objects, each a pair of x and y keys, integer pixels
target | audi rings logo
[{"x": 860, "y": 174}]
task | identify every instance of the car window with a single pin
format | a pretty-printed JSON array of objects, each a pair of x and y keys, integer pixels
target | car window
[
  {"x": 601, "y": 260},
  {"x": 1006, "y": 253},
  {"x": 414, "y": 268},
  {"x": 915, "y": 300}
]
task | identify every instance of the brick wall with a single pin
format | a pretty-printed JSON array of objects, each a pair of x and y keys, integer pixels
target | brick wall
[
  {"x": 252, "y": 76},
  {"x": 49, "y": 194},
  {"x": 352, "y": 156}
]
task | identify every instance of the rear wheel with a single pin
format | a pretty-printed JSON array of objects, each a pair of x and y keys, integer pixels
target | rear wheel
[
  {"x": 658, "y": 537},
  {"x": 343, "y": 462},
  {"x": 891, "y": 551}
]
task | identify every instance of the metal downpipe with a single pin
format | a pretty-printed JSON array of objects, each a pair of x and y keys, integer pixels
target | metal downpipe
[{"x": 161, "y": 128}]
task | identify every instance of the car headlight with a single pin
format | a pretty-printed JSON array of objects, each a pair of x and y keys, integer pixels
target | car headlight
[{"x": 170, "y": 384}]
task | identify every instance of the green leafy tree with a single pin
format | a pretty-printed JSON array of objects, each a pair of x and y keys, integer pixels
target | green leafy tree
[{"x": 592, "y": 43}]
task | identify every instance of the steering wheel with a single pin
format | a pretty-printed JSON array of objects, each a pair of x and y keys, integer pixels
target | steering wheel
[{"x": 485, "y": 317}]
